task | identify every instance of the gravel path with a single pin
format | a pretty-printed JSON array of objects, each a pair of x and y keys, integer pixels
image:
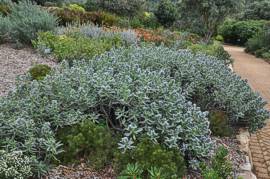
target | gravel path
[
  {"x": 257, "y": 72},
  {"x": 16, "y": 62}
]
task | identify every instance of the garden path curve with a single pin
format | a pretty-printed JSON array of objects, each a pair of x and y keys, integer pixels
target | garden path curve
[{"x": 257, "y": 72}]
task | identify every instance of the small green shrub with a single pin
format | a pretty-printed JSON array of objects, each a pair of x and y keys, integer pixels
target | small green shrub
[
  {"x": 219, "y": 124},
  {"x": 215, "y": 50},
  {"x": 219, "y": 168},
  {"x": 76, "y": 7},
  {"x": 68, "y": 48},
  {"x": 89, "y": 141},
  {"x": 14, "y": 165},
  {"x": 238, "y": 32},
  {"x": 109, "y": 19},
  {"x": 266, "y": 55},
  {"x": 149, "y": 20},
  {"x": 38, "y": 72},
  {"x": 144, "y": 20},
  {"x": 79, "y": 47},
  {"x": 132, "y": 171},
  {"x": 148, "y": 154},
  {"x": 135, "y": 22},
  {"x": 166, "y": 12},
  {"x": 219, "y": 38}
]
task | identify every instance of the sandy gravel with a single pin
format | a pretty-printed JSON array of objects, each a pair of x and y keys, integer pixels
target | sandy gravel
[
  {"x": 257, "y": 72},
  {"x": 16, "y": 62}
]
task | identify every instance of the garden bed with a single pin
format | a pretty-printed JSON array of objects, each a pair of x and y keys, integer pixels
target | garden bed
[{"x": 16, "y": 62}]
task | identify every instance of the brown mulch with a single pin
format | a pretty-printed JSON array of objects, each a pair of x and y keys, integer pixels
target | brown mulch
[
  {"x": 81, "y": 171},
  {"x": 17, "y": 62},
  {"x": 236, "y": 156}
]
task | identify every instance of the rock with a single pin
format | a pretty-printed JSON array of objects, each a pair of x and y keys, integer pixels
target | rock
[
  {"x": 243, "y": 138},
  {"x": 245, "y": 167},
  {"x": 247, "y": 175},
  {"x": 231, "y": 67}
]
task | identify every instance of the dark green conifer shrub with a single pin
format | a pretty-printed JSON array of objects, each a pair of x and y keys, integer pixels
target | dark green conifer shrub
[
  {"x": 38, "y": 72},
  {"x": 148, "y": 154},
  {"x": 89, "y": 141},
  {"x": 219, "y": 124}
]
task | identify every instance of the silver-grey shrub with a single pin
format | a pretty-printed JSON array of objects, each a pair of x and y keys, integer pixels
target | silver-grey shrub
[
  {"x": 89, "y": 30},
  {"x": 116, "y": 86},
  {"x": 129, "y": 36},
  {"x": 153, "y": 91},
  {"x": 4, "y": 28},
  {"x": 27, "y": 19},
  {"x": 14, "y": 165}
]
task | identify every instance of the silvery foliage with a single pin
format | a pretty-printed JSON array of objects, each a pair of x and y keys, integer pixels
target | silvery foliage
[
  {"x": 14, "y": 165},
  {"x": 211, "y": 85},
  {"x": 152, "y": 91},
  {"x": 119, "y": 87},
  {"x": 89, "y": 30}
]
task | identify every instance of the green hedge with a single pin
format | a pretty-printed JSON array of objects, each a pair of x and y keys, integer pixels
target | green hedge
[
  {"x": 259, "y": 45},
  {"x": 238, "y": 32}
]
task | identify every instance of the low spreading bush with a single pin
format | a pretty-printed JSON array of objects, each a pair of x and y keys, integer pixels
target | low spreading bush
[
  {"x": 259, "y": 44},
  {"x": 69, "y": 48},
  {"x": 215, "y": 50},
  {"x": 238, "y": 32},
  {"x": 38, "y": 72},
  {"x": 14, "y": 165},
  {"x": 93, "y": 143},
  {"x": 138, "y": 91},
  {"x": 148, "y": 154},
  {"x": 27, "y": 19}
]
